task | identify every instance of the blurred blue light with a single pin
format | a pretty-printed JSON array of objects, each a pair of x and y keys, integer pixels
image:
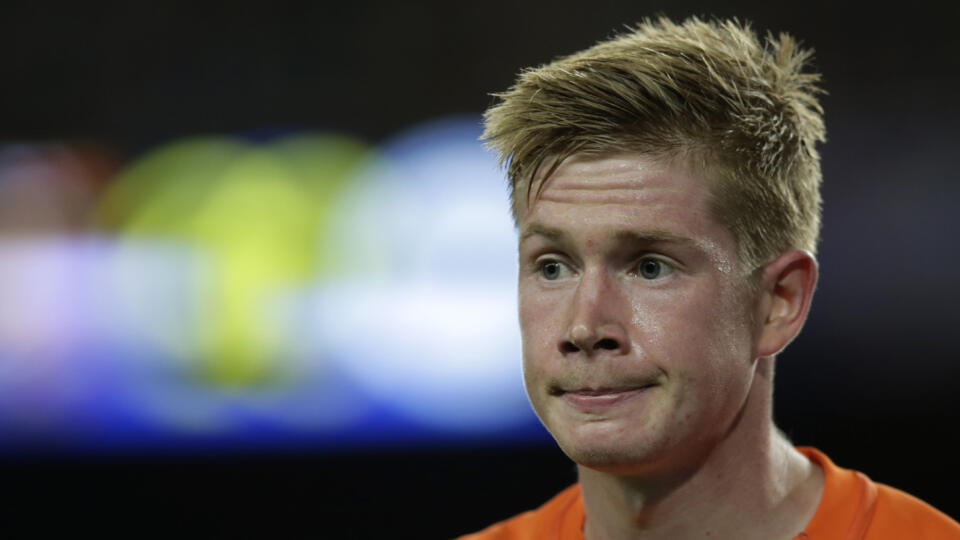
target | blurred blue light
[
  {"x": 407, "y": 332},
  {"x": 427, "y": 316}
]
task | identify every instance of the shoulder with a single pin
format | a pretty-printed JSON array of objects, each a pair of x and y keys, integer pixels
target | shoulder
[
  {"x": 901, "y": 515},
  {"x": 858, "y": 507},
  {"x": 560, "y": 518}
]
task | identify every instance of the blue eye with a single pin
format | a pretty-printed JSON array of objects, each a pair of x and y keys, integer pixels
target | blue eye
[
  {"x": 653, "y": 268},
  {"x": 551, "y": 269}
]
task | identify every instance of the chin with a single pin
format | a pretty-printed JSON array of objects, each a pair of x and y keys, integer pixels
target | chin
[
  {"x": 600, "y": 458},
  {"x": 610, "y": 453},
  {"x": 621, "y": 448},
  {"x": 612, "y": 460}
]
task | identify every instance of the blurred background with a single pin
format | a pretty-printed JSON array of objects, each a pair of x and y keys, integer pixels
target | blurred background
[{"x": 257, "y": 274}]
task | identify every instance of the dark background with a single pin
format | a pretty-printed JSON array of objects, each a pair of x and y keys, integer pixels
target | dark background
[{"x": 871, "y": 381}]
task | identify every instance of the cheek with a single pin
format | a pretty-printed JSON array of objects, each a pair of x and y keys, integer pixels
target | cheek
[
  {"x": 540, "y": 320},
  {"x": 722, "y": 350},
  {"x": 691, "y": 332},
  {"x": 668, "y": 324},
  {"x": 536, "y": 320}
]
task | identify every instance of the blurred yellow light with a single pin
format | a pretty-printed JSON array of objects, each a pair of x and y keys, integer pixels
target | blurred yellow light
[{"x": 253, "y": 215}]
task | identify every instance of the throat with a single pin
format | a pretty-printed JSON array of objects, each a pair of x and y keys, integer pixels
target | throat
[{"x": 771, "y": 496}]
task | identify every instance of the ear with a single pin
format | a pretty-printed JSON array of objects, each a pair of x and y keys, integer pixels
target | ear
[{"x": 784, "y": 299}]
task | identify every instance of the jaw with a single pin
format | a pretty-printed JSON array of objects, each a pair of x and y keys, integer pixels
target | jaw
[{"x": 628, "y": 433}]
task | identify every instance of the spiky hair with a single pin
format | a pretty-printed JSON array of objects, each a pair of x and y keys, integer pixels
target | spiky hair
[{"x": 745, "y": 113}]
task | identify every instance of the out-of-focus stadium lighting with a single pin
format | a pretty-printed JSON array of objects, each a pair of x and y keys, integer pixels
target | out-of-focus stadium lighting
[
  {"x": 308, "y": 290},
  {"x": 50, "y": 188},
  {"x": 426, "y": 318},
  {"x": 252, "y": 214}
]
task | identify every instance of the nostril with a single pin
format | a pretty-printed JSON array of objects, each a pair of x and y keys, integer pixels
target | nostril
[
  {"x": 568, "y": 347},
  {"x": 607, "y": 343}
]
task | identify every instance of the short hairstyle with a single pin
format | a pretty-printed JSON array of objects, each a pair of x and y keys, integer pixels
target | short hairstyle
[{"x": 743, "y": 112}]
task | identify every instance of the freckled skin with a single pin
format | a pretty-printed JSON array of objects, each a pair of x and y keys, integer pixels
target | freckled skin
[{"x": 686, "y": 335}]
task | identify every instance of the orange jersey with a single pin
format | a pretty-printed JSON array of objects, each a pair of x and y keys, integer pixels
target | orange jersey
[{"x": 852, "y": 507}]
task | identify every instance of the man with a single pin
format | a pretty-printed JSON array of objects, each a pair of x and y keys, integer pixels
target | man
[{"x": 665, "y": 185}]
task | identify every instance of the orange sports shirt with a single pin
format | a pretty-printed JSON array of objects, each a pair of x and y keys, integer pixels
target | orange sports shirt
[{"x": 852, "y": 507}]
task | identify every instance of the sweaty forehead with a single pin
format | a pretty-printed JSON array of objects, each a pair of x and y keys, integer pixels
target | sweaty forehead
[
  {"x": 603, "y": 201},
  {"x": 627, "y": 179}
]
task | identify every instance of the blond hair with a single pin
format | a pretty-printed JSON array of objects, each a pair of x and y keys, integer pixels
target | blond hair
[{"x": 744, "y": 113}]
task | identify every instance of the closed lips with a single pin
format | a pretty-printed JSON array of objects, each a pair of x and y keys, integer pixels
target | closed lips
[{"x": 598, "y": 391}]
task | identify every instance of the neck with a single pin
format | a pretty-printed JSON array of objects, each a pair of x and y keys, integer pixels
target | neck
[{"x": 752, "y": 484}]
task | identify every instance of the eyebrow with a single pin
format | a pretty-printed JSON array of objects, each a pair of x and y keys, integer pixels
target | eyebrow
[
  {"x": 542, "y": 230},
  {"x": 624, "y": 236},
  {"x": 653, "y": 237}
]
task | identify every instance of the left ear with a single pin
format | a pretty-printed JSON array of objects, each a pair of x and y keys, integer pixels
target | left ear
[{"x": 786, "y": 291}]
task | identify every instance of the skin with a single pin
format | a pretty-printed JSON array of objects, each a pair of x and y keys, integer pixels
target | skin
[{"x": 650, "y": 360}]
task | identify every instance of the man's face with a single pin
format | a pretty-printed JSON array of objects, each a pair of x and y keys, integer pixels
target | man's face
[{"x": 637, "y": 341}]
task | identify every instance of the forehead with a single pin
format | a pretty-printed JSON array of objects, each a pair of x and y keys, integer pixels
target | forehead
[{"x": 626, "y": 190}]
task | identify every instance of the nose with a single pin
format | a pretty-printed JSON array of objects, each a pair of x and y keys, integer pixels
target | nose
[{"x": 597, "y": 322}]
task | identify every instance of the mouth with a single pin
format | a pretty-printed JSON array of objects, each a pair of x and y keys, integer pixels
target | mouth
[
  {"x": 590, "y": 399},
  {"x": 597, "y": 391}
]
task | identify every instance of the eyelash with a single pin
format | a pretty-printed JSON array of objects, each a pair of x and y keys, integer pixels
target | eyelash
[
  {"x": 665, "y": 267},
  {"x": 542, "y": 265}
]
